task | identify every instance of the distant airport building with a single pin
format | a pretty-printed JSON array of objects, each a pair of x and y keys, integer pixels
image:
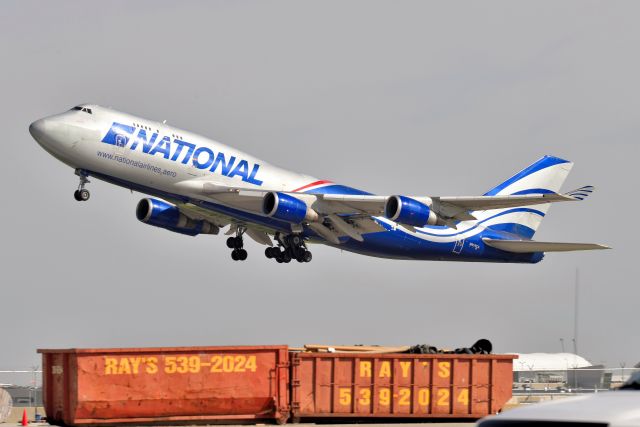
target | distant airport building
[{"x": 563, "y": 368}]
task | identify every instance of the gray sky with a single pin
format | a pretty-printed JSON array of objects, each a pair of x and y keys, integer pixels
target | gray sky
[{"x": 444, "y": 98}]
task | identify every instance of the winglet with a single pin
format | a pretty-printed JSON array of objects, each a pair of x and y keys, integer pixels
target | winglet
[{"x": 581, "y": 193}]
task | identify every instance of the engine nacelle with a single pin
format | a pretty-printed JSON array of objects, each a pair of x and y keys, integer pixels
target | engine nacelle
[
  {"x": 165, "y": 215},
  {"x": 287, "y": 208},
  {"x": 406, "y": 210}
]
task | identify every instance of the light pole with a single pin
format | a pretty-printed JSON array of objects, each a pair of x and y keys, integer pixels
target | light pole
[{"x": 575, "y": 312}]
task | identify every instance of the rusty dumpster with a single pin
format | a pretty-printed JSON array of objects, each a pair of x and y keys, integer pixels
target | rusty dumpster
[
  {"x": 175, "y": 385},
  {"x": 352, "y": 386}
]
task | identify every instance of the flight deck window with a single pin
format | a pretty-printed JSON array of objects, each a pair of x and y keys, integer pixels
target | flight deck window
[{"x": 84, "y": 109}]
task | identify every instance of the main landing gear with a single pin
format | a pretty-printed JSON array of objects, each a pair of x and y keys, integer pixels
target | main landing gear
[
  {"x": 236, "y": 243},
  {"x": 291, "y": 246},
  {"x": 82, "y": 194}
]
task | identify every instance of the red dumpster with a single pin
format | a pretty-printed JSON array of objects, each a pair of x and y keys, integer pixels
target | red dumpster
[
  {"x": 365, "y": 386},
  {"x": 178, "y": 385}
]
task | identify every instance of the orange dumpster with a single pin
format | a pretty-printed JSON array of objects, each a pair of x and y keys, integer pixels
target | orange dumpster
[
  {"x": 171, "y": 385},
  {"x": 341, "y": 385}
]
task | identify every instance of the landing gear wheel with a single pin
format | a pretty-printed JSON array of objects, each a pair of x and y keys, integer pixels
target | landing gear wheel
[
  {"x": 271, "y": 252},
  {"x": 81, "y": 194},
  {"x": 236, "y": 243},
  {"x": 290, "y": 247},
  {"x": 231, "y": 242}
]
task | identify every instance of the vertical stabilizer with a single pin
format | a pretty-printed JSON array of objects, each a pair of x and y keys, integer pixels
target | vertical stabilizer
[{"x": 544, "y": 176}]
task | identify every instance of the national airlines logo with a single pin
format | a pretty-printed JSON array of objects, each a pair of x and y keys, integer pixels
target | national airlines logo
[{"x": 176, "y": 150}]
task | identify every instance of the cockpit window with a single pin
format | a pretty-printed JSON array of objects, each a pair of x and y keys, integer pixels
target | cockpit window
[{"x": 84, "y": 109}]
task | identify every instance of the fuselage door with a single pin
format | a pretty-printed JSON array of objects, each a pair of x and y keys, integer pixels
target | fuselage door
[{"x": 457, "y": 248}]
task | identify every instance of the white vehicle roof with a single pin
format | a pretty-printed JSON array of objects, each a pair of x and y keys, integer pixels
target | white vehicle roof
[{"x": 612, "y": 408}]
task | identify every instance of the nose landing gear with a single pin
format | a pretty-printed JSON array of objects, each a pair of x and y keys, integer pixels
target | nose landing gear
[
  {"x": 82, "y": 194},
  {"x": 236, "y": 243}
]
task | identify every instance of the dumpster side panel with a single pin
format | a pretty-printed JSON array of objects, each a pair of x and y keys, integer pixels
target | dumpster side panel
[
  {"x": 399, "y": 385},
  {"x": 170, "y": 384},
  {"x": 503, "y": 384},
  {"x": 55, "y": 386}
]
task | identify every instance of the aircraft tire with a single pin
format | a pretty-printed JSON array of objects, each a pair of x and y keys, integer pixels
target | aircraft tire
[
  {"x": 242, "y": 254},
  {"x": 307, "y": 257},
  {"x": 238, "y": 243},
  {"x": 231, "y": 242},
  {"x": 297, "y": 252},
  {"x": 234, "y": 255},
  {"x": 76, "y": 195},
  {"x": 286, "y": 258},
  {"x": 268, "y": 253},
  {"x": 84, "y": 195}
]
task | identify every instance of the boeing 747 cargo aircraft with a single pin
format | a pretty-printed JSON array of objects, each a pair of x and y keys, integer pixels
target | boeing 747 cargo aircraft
[{"x": 198, "y": 186}]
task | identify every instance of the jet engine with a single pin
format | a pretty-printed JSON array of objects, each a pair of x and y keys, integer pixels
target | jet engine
[
  {"x": 406, "y": 210},
  {"x": 284, "y": 207},
  {"x": 165, "y": 215}
]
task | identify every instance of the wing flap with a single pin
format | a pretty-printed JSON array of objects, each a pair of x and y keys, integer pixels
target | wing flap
[
  {"x": 528, "y": 246},
  {"x": 259, "y": 236},
  {"x": 348, "y": 204}
]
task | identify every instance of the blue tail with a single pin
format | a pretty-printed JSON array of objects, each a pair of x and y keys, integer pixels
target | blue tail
[{"x": 544, "y": 176}]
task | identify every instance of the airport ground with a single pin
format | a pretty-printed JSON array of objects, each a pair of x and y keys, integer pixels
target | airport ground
[
  {"x": 16, "y": 416},
  {"x": 436, "y": 424}
]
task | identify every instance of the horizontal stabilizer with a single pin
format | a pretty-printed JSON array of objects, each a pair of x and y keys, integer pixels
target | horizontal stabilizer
[
  {"x": 581, "y": 193},
  {"x": 527, "y": 246}
]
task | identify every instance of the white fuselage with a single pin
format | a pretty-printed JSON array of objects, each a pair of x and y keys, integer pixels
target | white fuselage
[{"x": 153, "y": 154}]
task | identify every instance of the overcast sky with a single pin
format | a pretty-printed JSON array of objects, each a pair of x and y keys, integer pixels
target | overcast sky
[{"x": 446, "y": 98}]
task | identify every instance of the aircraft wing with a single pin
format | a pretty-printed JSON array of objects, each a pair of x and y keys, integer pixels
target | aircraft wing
[
  {"x": 450, "y": 209},
  {"x": 528, "y": 246},
  {"x": 456, "y": 208},
  {"x": 483, "y": 203}
]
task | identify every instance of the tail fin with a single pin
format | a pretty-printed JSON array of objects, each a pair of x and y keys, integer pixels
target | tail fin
[{"x": 544, "y": 176}]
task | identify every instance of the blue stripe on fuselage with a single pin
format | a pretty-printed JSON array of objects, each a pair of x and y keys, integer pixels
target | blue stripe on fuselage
[
  {"x": 400, "y": 245},
  {"x": 476, "y": 224}
]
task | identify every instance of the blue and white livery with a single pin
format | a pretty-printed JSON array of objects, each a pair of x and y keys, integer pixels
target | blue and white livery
[{"x": 198, "y": 186}]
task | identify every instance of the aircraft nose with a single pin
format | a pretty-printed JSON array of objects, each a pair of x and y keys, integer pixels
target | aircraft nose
[{"x": 37, "y": 129}]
